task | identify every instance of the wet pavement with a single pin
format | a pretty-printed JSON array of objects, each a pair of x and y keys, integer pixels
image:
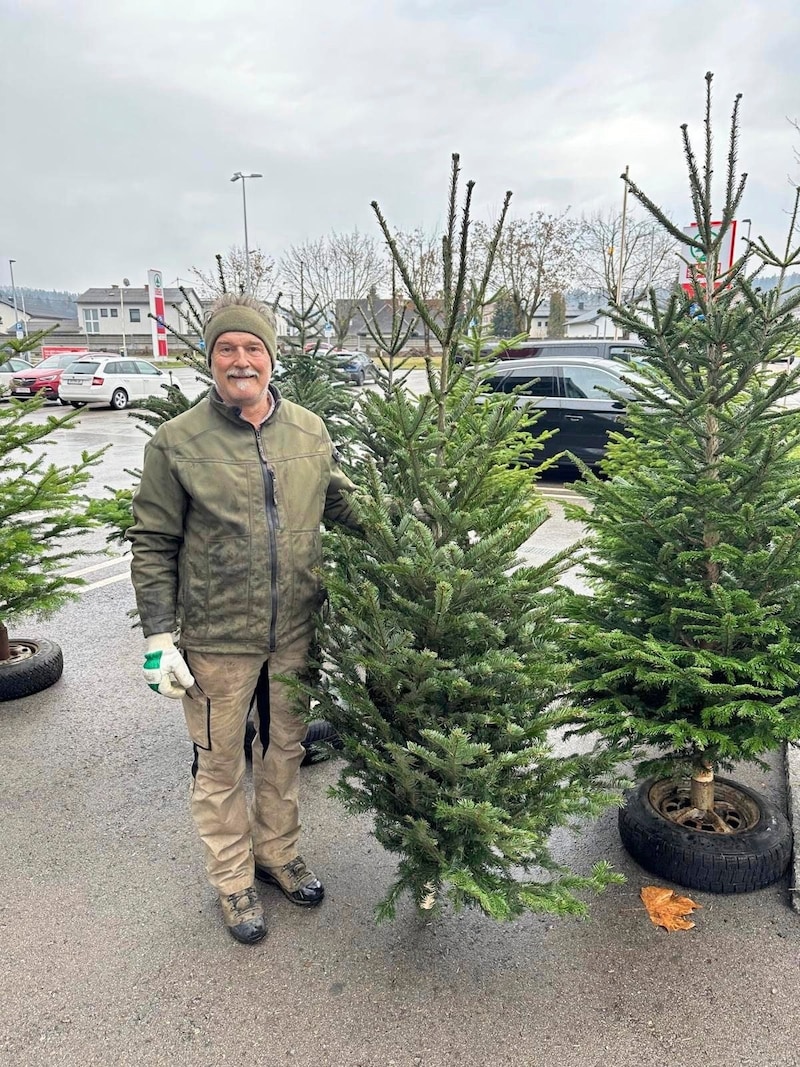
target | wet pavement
[{"x": 112, "y": 949}]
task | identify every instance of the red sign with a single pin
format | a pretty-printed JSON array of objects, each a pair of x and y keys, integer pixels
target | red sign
[
  {"x": 695, "y": 260},
  {"x": 57, "y": 350},
  {"x": 158, "y": 310}
]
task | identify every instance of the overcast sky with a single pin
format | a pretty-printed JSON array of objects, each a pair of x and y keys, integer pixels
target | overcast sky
[{"x": 123, "y": 121}]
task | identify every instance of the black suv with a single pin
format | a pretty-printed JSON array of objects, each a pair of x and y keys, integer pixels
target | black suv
[{"x": 573, "y": 395}]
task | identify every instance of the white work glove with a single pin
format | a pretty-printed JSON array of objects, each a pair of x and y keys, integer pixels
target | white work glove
[{"x": 165, "y": 669}]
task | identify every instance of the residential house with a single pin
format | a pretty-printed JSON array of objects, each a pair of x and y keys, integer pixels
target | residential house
[
  {"x": 117, "y": 317},
  {"x": 593, "y": 323},
  {"x": 378, "y": 311},
  {"x": 8, "y": 317}
]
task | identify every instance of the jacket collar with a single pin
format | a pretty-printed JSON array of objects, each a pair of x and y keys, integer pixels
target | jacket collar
[{"x": 233, "y": 414}]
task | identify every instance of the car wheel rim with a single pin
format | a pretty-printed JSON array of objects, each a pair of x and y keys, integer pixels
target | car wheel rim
[
  {"x": 20, "y": 650},
  {"x": 736, "y": 810}
]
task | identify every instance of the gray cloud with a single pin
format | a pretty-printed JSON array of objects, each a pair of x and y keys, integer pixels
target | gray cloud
[{"x": 129, "y": 118}]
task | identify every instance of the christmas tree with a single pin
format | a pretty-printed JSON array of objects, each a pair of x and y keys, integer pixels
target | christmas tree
[
  {"x": 41, "y": 507},
  {"x": 444, "y": 654},
  {"x": 688, "y": 649}
]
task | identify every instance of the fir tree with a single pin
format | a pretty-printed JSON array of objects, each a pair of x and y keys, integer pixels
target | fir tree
[
  {"x": 689, "y": 643},
  {"x": 442, "y": 653},
  {"x": 41, "y": 506},
  {"x": 557, "y": 321},
  {"x": 310, "y": 375},
  {"x": 503, "y": 319}
]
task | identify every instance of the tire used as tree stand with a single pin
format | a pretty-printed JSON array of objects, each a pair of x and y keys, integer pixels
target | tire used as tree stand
[
  {"x": 755, "y": 854},
  {"x": 35, "y": 665},
  {"x": 318, "y": 731}
]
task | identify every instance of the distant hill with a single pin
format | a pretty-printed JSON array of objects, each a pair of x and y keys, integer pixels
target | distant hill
[{"x": 44, "y": 301}]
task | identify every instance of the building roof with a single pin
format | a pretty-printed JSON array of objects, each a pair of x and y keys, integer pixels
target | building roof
[
  {"x": 30, "y": 306},
  {"x": 378, "y": 312},
  {"x": 109, "y": 294},
  {"x": 586, "y": 316}
]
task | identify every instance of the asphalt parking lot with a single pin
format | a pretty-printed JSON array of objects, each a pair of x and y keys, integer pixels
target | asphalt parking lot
[{"x": 113, "y": 951}]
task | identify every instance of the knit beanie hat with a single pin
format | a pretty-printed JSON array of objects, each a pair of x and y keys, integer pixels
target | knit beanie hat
[{"x": 239, "y": 318}]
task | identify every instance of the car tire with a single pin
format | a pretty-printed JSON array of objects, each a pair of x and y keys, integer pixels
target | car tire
[
  {"x": 360, "y": 378},
  {"x": 119, "y": 400},
  {"x": 318, "y": 731},
  {"x": 35, "y": 665},
  {"x": 739, "y": 862},
  {"x": 75, "y": 403}
]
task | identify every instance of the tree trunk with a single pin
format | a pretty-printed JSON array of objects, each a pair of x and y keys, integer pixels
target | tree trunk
[{"x": 702, "y": 788}]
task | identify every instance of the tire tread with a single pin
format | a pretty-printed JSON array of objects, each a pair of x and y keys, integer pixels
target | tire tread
[
  {"x": 26, "y": 677},
  {"x": 736, "y": 863}
]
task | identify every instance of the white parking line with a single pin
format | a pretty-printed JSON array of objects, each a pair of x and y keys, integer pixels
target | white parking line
[
  {"x": 107, "y": 581},
  {"x": 99, "y": 566},
  {"x": 560, "y": 494}
]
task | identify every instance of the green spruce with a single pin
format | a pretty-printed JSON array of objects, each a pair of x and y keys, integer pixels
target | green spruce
[
  {"x": 443, "y": 651},
  {"x": 42, "y": 506},
  {"x": 687, "y": 650}
]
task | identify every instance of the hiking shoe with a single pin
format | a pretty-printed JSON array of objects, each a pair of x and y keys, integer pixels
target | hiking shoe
[
  {"x": 295, "y": 881},
  {"x": 243, "y": 915}
]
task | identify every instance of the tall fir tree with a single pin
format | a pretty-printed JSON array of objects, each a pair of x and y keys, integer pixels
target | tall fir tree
[
  {"x": 443, "y": 651},
  {"x": 687, "y": 650},
  {"x": 557, "y": 320},
  {"x": 503, "y": 320},
  {"x": 42, "y": 506},
  {"x": 308, "y": 373}
]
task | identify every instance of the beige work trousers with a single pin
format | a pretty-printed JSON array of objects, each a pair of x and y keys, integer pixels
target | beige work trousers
[{"x": 216, "y": 718}]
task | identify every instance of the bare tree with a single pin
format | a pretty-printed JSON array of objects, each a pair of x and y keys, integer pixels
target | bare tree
[
  {"x": 535, "y": 255},
  {"x": 422, "y": 254},
  {"x": 339, "y": 270},
  {"x": 648, "y": 259},
  {"x": 230, "y": 274}
]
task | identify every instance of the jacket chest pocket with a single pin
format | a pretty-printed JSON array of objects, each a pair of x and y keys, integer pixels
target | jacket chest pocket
[{"x": 299, "y": 492}]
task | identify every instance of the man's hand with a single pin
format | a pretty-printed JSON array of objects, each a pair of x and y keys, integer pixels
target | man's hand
[{"x": 165, "y": 668}]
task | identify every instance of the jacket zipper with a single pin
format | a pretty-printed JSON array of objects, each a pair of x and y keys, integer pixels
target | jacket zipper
[{"x": 273, "y": 524}]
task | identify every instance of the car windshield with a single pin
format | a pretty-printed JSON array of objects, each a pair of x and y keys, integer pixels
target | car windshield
[{"x": 51, "y": 363}]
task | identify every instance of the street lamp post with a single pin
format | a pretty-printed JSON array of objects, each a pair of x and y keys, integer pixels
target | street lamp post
[
  {"x": 125, "y": 281},
  {"x": 244, "y": 176},
  {"x": 746, "y": 237},
  {"x": 11, "y": 263},
  {"x": 622, "y": 247}
]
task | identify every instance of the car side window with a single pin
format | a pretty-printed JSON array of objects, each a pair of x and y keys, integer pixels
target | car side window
[
  {"x": 542, "y": 381},
  {"x": 523, "y": 351},
  {"x": 582, "y": 383},
  {"x": 565, "y": 351},
  {"x": 626, "y": 352}
]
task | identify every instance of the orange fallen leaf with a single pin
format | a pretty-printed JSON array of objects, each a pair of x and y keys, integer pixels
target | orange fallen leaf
[{"x": 667, "y": 910}]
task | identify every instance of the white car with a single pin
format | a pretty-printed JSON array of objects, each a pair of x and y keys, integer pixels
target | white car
[
  {"x": 8, "y": 369},
  {"x": 112, "y": 380}
]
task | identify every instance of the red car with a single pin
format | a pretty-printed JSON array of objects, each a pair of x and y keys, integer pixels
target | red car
[{"x": 44, "y": 377}]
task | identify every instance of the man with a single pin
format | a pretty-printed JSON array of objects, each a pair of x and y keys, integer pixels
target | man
[{"x": 226, "y": 551}]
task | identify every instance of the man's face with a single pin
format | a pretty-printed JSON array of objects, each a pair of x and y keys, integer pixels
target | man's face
[{"x": 241, "y": 369}]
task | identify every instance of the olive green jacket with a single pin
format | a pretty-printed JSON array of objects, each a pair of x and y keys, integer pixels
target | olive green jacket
[{"x": 226, "y": 534}]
